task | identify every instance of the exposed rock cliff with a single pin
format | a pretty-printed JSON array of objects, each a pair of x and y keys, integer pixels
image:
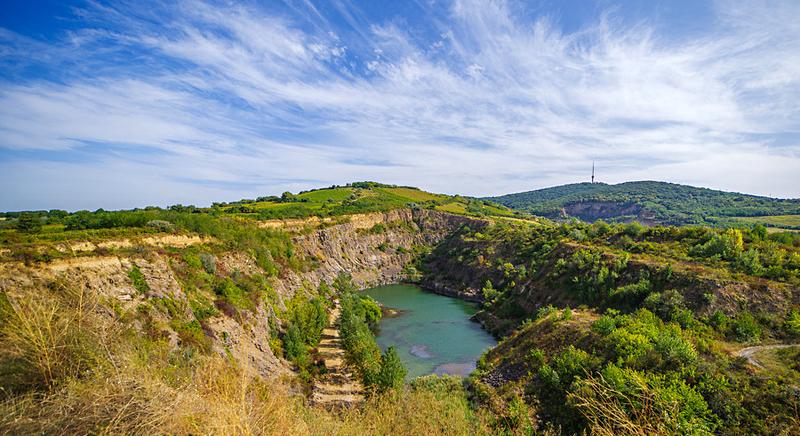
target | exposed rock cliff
[{"x": 374, "y": 248}]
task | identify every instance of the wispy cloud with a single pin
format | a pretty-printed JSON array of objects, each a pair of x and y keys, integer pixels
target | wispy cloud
[{"x": 246, "y": 100}]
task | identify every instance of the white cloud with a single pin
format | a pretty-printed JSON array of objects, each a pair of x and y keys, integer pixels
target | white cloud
[{"x": 495, "y": 105}]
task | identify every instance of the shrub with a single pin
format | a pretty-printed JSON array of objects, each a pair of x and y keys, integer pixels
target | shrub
[
  {"x": 489, "y": 293},
  {"x": 719, "y": 321},
  {"x": 161, "y": 225},
  {"x": 361, "y": 349},
  {"x": 545, "y": 311},
  {"x": 392, "y": 373},
  {"x": 604, "y": 325},
  {"x": 234, "y": 295},
  {"x": 745, "y": 328},
  {"x": 294, "y": 347},
  {"x": 139, "y": 282},
  {"x": 372, "y": 312},
  {"x": 664, "y": 304},
  {"x": 29, "y": 223},
  {"x": 209, "y": 262},
  {"x": 749, "y": 262},
  {"x": 792, "y": 324},
  {"x": 675, "y": 350},
  {"x": 624, "y": 401},
  {"x": 192, "y": 260}
]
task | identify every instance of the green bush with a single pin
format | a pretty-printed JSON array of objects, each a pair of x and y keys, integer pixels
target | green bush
[
  {"x": 139, "y": 282},
  {"x": 745, "y": 328},
  {"x": 674, "y": 350},
  {"x": 229, "y": 292},
  {"x": 664, "y": 304},
  {"x": 792, "y": 324},
  {"x": 392, "y": 373},
  {"x": 294, "y": 347},
  {"x": 29, "y": 223}
]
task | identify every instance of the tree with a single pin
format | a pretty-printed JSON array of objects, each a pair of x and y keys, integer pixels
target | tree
[
  {"x": 392, "y": 373},
  {"x": 29, "y": 223},
  {"x": 295, "y": 347},
  {"x": 759, "y": 232},
  {"x": 288, "y": 197}
]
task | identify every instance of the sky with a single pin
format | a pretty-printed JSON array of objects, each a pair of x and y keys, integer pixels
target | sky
[{"x": 127, "y": 104}]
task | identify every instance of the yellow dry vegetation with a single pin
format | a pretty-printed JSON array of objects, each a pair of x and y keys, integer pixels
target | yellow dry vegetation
[{"x": 69, "y": 367}]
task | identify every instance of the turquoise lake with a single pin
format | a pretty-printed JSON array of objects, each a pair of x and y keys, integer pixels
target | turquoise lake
[{"x": 432, "y": 333}]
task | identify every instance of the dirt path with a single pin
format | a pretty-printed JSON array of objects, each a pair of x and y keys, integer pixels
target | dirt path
[
  {"x": 339, "y": 387},
  {"x": 748, "y": 352}
]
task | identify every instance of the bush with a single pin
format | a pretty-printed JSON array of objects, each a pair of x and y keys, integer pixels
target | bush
[
  {"x": 234, "y": 295},
  {"x": 361, "y": 349},
  {"x": 294, "y": 347},
  {"x": 675, "y": 350},
  {"x": 792, "y": 324},
  {"x": 29, "y": 223},
  {"x": 392, "y": 373},
  {"x": 209, "y": 262},
  {"x": 604, "y": 325},
  {"x": 624, "y": 401},
  {"x": 139, "y": 282},
  {"x": 161, "y": 225},
  {"x": 664, "y": 304},
  {"x": 745, "y": 328}
]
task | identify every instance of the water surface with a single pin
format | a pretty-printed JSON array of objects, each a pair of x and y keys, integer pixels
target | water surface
[{"x": 432, "y": 333}]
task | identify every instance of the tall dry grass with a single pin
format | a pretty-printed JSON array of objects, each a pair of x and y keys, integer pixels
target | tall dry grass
[{"x": 69, "y": 366}]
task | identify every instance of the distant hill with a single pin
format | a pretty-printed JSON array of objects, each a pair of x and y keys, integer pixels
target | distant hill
[{"x": 648, "y": 202}]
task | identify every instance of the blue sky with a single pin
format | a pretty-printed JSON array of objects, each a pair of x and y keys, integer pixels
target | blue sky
[{"x": 118, "y": 104}]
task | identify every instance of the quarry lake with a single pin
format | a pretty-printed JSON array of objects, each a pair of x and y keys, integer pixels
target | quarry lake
[{"x": 432, "y": 333}]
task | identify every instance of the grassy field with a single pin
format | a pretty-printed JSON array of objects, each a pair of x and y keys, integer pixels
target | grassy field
[
  {"x": 780, "y": 221},
  {"x": 356, "y": 199},
  {"x": 323, "y": 195},
  {"x": 413, "y": 194}
]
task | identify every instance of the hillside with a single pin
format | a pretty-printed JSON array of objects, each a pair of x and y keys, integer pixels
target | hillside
[
  {"x": 648, "y": 202},
  {"x": 222, "y": 320},
  {"x": 324, "y": 204},
  {"x": 625, "y": 329}
]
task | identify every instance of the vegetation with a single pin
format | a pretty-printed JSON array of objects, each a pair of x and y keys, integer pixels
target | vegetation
[
  {"x": 306, "y": 321},
  {"x": 648, "y": 348},
  {"x": 667, "y": 202},
  {"x": 607, "y": 328},
  {"x": 68, "y": 368},
  {"x": 359, "y": 316}
]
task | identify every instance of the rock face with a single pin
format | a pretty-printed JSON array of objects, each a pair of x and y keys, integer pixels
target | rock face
[
  {"x": 374, "y": 248},
  {"x": 592, "y": 211}
]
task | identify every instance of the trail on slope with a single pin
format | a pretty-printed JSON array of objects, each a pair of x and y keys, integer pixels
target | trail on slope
[
  {"x": 748, "y": 353},
  {"x": 338, "y": 388}
]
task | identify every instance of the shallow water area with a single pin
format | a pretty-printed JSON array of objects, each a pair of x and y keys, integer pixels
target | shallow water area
[{"x": 432, "y": 333}]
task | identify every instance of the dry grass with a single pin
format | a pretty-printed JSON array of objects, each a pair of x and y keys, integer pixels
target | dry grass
[
  {"x": 70, "y": 367},
  {"x": 611, "y": 412}
]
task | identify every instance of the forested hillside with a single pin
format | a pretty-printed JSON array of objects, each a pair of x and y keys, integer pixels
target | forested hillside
[
  {"x": 625, "y": 329},
  {"x": 648, "y": 202}
]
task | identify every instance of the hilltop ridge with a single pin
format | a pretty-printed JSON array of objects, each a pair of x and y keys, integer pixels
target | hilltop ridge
[{"x": 649, "y": 202}]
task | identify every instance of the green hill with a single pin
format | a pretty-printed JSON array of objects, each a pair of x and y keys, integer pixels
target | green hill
[{"x": 648, "y": 202}]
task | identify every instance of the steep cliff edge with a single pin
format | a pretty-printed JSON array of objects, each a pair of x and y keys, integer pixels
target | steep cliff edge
[{"x": 202, "y": 293}]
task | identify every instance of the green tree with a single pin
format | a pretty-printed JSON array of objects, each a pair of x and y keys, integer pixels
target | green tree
[
  {"x": 759, "y": 231},
  {"x": 295, "y": 347},
  {"x": 392, "y": 373},
  {"x": 29, "y": 223}
]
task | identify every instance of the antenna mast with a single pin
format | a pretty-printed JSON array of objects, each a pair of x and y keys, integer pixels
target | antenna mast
[{"x": 592, "y": 172}]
